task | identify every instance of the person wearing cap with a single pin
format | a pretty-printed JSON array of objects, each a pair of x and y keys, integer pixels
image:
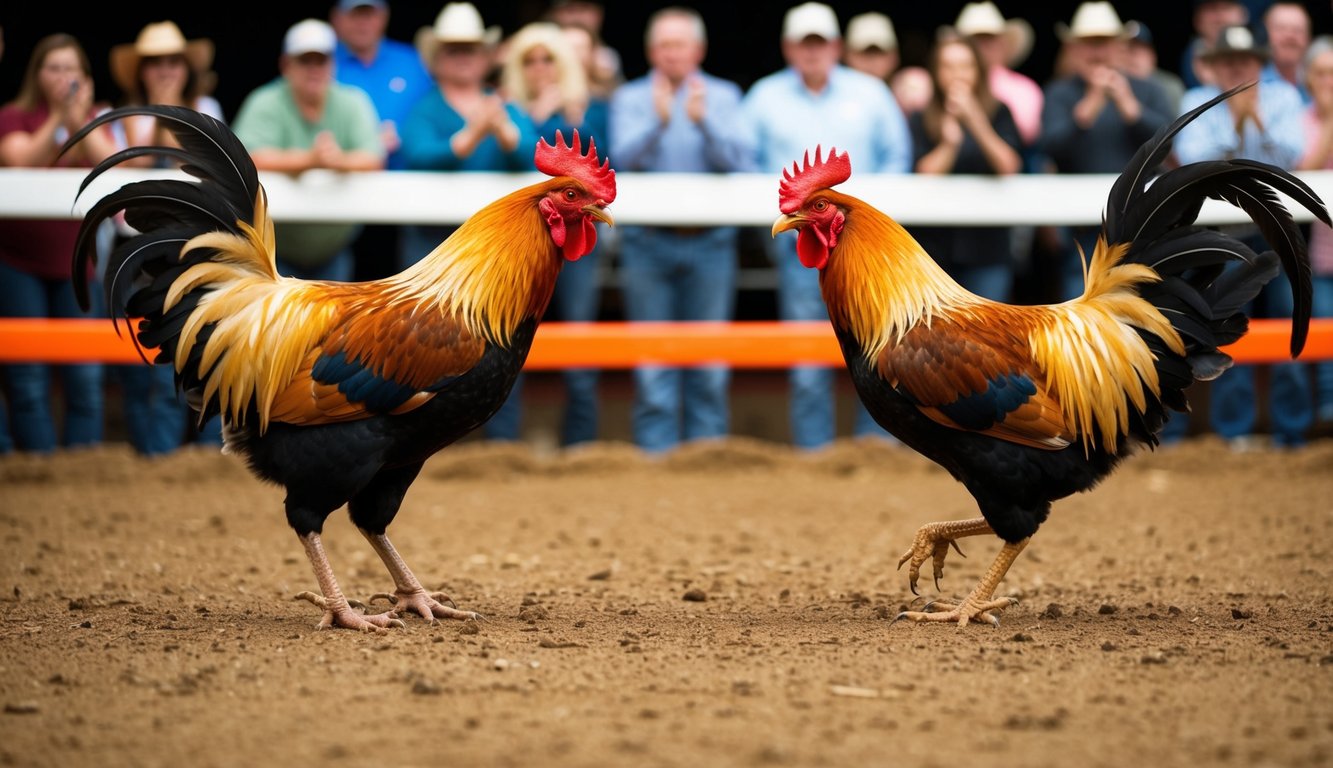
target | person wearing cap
[
  {"x": 817, "y": 101},
  {"x": 160, "y": 67},
  {"x": 1095, "y": 120},
  {"x": 463, "y": 125},
  {"x": 1287, "y": 25},
  {"x": 1209, "y": 18},
  {"x": 1004, "y": 44},
  {"x": 678, "y": 119},
  {"x": 54, "y": 101},
  {"x": 872, "y": 45},
  {"x": 1260, "y": 123},
  {"x": 1140, "y": 60},
  {"x": 306, "y": 120}
]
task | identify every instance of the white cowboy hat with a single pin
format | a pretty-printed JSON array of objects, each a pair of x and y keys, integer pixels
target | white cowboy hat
[
  {"x": 1096, "y": 19},
  {"x": 161, "y": 39},
  {"x": 457, "y": 23},
  {"x": 985, "y": 19}
]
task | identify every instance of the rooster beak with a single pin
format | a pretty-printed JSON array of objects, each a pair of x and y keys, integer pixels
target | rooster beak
[
  {"x": 789, "y": 221},
  {"x": 599, "y": 213}
]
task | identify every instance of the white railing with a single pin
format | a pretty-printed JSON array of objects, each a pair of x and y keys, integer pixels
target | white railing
[{"x": 663, "y": 199}]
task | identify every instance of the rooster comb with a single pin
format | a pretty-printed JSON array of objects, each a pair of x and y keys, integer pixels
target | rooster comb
[
  {"x": 564, "y": 160},
  {"x": 798, "y": 183}
]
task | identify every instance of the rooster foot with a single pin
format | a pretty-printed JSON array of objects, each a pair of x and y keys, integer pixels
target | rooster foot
[
  {"x": 431, "y": 606},
  {"x": 339, "y": 613},
  {"x": 929, "y": 545},
  {"x": 962, "y": 613}
]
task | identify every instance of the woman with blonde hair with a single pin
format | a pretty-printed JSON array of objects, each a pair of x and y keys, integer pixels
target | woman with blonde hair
[{"x": 543, "y": 76}]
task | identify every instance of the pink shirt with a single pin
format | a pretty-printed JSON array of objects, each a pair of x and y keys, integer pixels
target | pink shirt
[
  {"x": 1321, "y": 237},
  {"x": 1024, "y": 99}
]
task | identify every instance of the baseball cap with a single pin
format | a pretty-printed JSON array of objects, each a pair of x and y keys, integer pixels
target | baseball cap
[
  {"x": 809, "y": 19},
  {"x": 309, "y": 36}
]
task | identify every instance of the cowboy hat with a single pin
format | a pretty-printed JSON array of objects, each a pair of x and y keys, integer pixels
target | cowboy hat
[
  {"x": 1237, "y": 40},
  {"x": 985, "y": 19},
  {"x": 1096, "y": 19},
  {"x": 163, "y": 38},
  {"x": 457, "y": 23}
]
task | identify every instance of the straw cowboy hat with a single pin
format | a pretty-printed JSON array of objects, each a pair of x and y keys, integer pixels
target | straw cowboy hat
[
  {"x": 985, "y": 19},
  {"x": 161, "y": 39},
  {"x": 457, "y": 23},
  {"x": 1097, "y": 19}
]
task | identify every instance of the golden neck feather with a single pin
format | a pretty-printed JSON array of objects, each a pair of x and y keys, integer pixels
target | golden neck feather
[
  {"x": 496, "y": 271},
  {"x": 879, "y": 283}
]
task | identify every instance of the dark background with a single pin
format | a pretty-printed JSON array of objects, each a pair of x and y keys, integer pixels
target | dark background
[{"x": 743, "y": 36}]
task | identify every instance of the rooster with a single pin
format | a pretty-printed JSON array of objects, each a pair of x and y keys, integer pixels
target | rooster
[
  {"x": 1028, "y": 404},
  {"x": 337, "y": 391}
]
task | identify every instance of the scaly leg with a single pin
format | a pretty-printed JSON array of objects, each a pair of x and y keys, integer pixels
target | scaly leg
[
  {"x": 933, "y": 541},
  {"x": 337, "y": 612},
  {"x": 408, "y": 594},
  {"x": 980, "y": 603}
]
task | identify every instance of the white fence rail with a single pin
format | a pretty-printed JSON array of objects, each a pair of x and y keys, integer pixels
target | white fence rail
[{"x": 658, "y": 199}]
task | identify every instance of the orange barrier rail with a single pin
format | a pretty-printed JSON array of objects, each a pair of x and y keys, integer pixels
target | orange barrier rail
[{"x": 612, "y": 345}]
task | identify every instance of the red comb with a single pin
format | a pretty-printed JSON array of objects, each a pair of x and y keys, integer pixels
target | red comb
[
  {"x": 564, "y": 160},
  {"x": 798, "y": 183}
]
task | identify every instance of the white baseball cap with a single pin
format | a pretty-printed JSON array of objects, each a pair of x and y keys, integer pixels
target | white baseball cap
[
  {"x": 309, "y": 36},
  {"x": 809, "y": 19}
]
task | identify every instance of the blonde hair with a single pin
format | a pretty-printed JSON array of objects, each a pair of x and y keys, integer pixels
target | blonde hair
[{"x": 570, "y": 75}]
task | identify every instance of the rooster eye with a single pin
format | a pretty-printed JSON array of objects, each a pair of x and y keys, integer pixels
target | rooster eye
[
  {"x": 570, "y": 195},
  {"x": 821, "y": 205}
]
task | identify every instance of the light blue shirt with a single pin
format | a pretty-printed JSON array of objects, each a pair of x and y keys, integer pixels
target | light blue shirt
[
  {"x": 640, "y": 141},
  {"x": 1212, "y": 136},
  {"x": 1271, "y": 75},
  {"x": 855, "y": 113},
  {"x": 395, "y": 81}
]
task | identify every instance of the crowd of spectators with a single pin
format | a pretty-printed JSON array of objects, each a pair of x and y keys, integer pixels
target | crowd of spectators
[{"x": 464, "y": 96}]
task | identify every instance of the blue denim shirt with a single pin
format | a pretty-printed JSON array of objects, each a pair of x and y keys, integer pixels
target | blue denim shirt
[
  {"x": 855, "y": 113},
  {"x": 640, "y": 141},
  {"x": 1213, "y": 135}
]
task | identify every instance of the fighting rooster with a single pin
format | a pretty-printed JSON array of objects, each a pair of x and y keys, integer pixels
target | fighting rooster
[
  {"x": 338, "y": 392},
  {"x": 1028, "y": 404}
]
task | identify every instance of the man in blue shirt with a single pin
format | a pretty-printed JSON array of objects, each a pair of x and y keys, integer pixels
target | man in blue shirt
[
  {"x": 392, "y": 74},
  {"x": 679, "y": 119},
  {"x": 817, "y": 101},
  {"x": 1260, "y": 123}
]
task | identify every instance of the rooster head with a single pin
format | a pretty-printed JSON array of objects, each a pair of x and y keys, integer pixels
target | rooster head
[
  {"x": 805, "y": 207},
  {"x": 577, "y": 195}
]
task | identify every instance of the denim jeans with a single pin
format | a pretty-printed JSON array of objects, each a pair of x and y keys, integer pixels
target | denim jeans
[
  {"x": 681, "y": 275},
  {"x": 32, "y": 424},
  {"x": 812, "y": 406},
  {"x": 155, "y": 414},
  {"x": 1234, "y": 409},
  {"x": 578, "y": 300},
  {"x": 1323, "y": 371}
]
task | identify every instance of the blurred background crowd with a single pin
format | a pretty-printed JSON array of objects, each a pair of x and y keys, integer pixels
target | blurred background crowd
[{"x": 978, "y": 88}]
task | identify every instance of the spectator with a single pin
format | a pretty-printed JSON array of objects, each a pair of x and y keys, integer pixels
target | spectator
[
  {"x": 1094, "y": 121},
  {"x": 54, "y": 101},
  {"x": 1004, "y": 44},
  {"x": 160, "y": 67},
  {"x": 603, "y": 64},
  {"x": 306, "y": 120},
  {"x": 1140, "y": 60},
  {"x": 872, "y": 46},
  {"x": 912, "y": 88},
  {"x": 1288, "y": 27},
  {"x": 1262, "y": 123},
  {"x": 678, "y": 118},
  {"x": 391, "y": 73},
  {"x": 816, "y": 101},
  {"x": 462, "y": 125},
  {"x": 966, "y": 130},
  {"x": 1318, "y": 70},
  {"x": 1210, "y": 18},
  {"x": 544, "y": 77}
]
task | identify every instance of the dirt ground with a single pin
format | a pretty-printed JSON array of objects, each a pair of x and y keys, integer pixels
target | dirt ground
[{"x": 1179, "y": 615}]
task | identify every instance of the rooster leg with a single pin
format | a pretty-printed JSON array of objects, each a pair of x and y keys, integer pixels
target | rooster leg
[
  {"x": 979, "y": 604},
  {"x": 337, "y": 613},
  {"x": 408, "y": 594},
  {"x": 933, "y": 541}
]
